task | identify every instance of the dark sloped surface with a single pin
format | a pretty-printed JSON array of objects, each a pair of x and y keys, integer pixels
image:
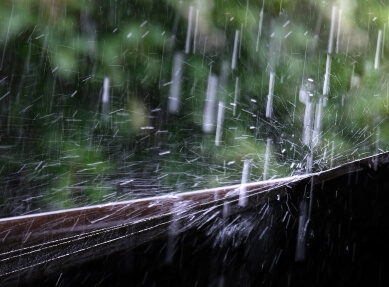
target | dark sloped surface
[{"x": 329, "y": 229}]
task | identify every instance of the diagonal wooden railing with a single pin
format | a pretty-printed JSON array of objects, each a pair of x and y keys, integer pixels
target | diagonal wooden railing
[{"x": 38, "y": 245}]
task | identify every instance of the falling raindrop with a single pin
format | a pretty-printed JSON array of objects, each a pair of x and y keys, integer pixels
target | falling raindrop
[
  {"x": 209, "y": 108},
  {"x": 302, "y": 232},
  {"x": 234, "y": 60},
  {"x": 236, "y": 95},
  {"x": 377, "y": 53},
  {"x": 269, "y": 106},
  {"x": 383, "y": 41},
  {"x": 196, "y": 31},
  {"x": 326, "y": 85},
  {"x": 175, "y": 84},
  {"x": 332, "y": 30},
  {"x": 105, "y": 100},
  {"x": 189, "y": 31},
  {"x": 338, "y": 31},
  {"x": 267, "y": 159},
  {"x": 317, "y": 125},
  {"x": 259, "y": 29},
  {"x": 219, "y": 124},
  {"x": 245, "y": 178}
]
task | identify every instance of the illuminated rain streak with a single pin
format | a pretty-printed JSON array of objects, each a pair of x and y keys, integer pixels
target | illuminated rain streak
[
  {"x": 189, "y": 31},
  {"x": 234, "y": 61},
  {"x": 196, "y": 31},
  {"x": 338, "y": 32},
  {"x": 175, "y": 86},
  {"x": 305, "y": 97},
  {"x": 354, "y": 81},
  {"x": 317, "y": 124},
  {"x": 377, "y": 147},
  {"x": 332, "y": 154},
  {"x": 259, "y": 29},
  {"x": 209, "y": 108},
  {"x": 322, "y": 102},
  {"x": 267, "y": 159},
  {"x": 236, "y": 96},
  {"x": 223, "y": 78},
  {"x": 326, "y": 85},
  {"x": 377, "y": 52},
  {"x": 308, "y": 168},
  {"x": 269, "y": 106},
  {"x": 226, "y": 210},
  {"x": 245, "y": 178},
  {"x": 105, "y": 99},
  {"x": 240, "y": 41},
  {"x": 6, "y": 38},
  {"x": 307, "y": 123},
  {"x": 332, "y": 31},
  {"x": 247, "y": 11},
  {"x": 302, "y": 231},
  {"x": 173, "y": 232},
  {"x": 219, "y": 124},
  {"x": 383, "y": 42}
]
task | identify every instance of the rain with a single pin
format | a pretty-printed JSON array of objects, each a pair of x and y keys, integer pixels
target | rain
[{"x": 145, "y": 138}]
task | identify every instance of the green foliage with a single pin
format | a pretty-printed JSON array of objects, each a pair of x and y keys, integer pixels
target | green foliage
[{"x": 70, "y": 146}]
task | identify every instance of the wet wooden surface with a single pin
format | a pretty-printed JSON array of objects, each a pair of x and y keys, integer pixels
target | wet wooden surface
[{"x": 39, "y": 245}]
